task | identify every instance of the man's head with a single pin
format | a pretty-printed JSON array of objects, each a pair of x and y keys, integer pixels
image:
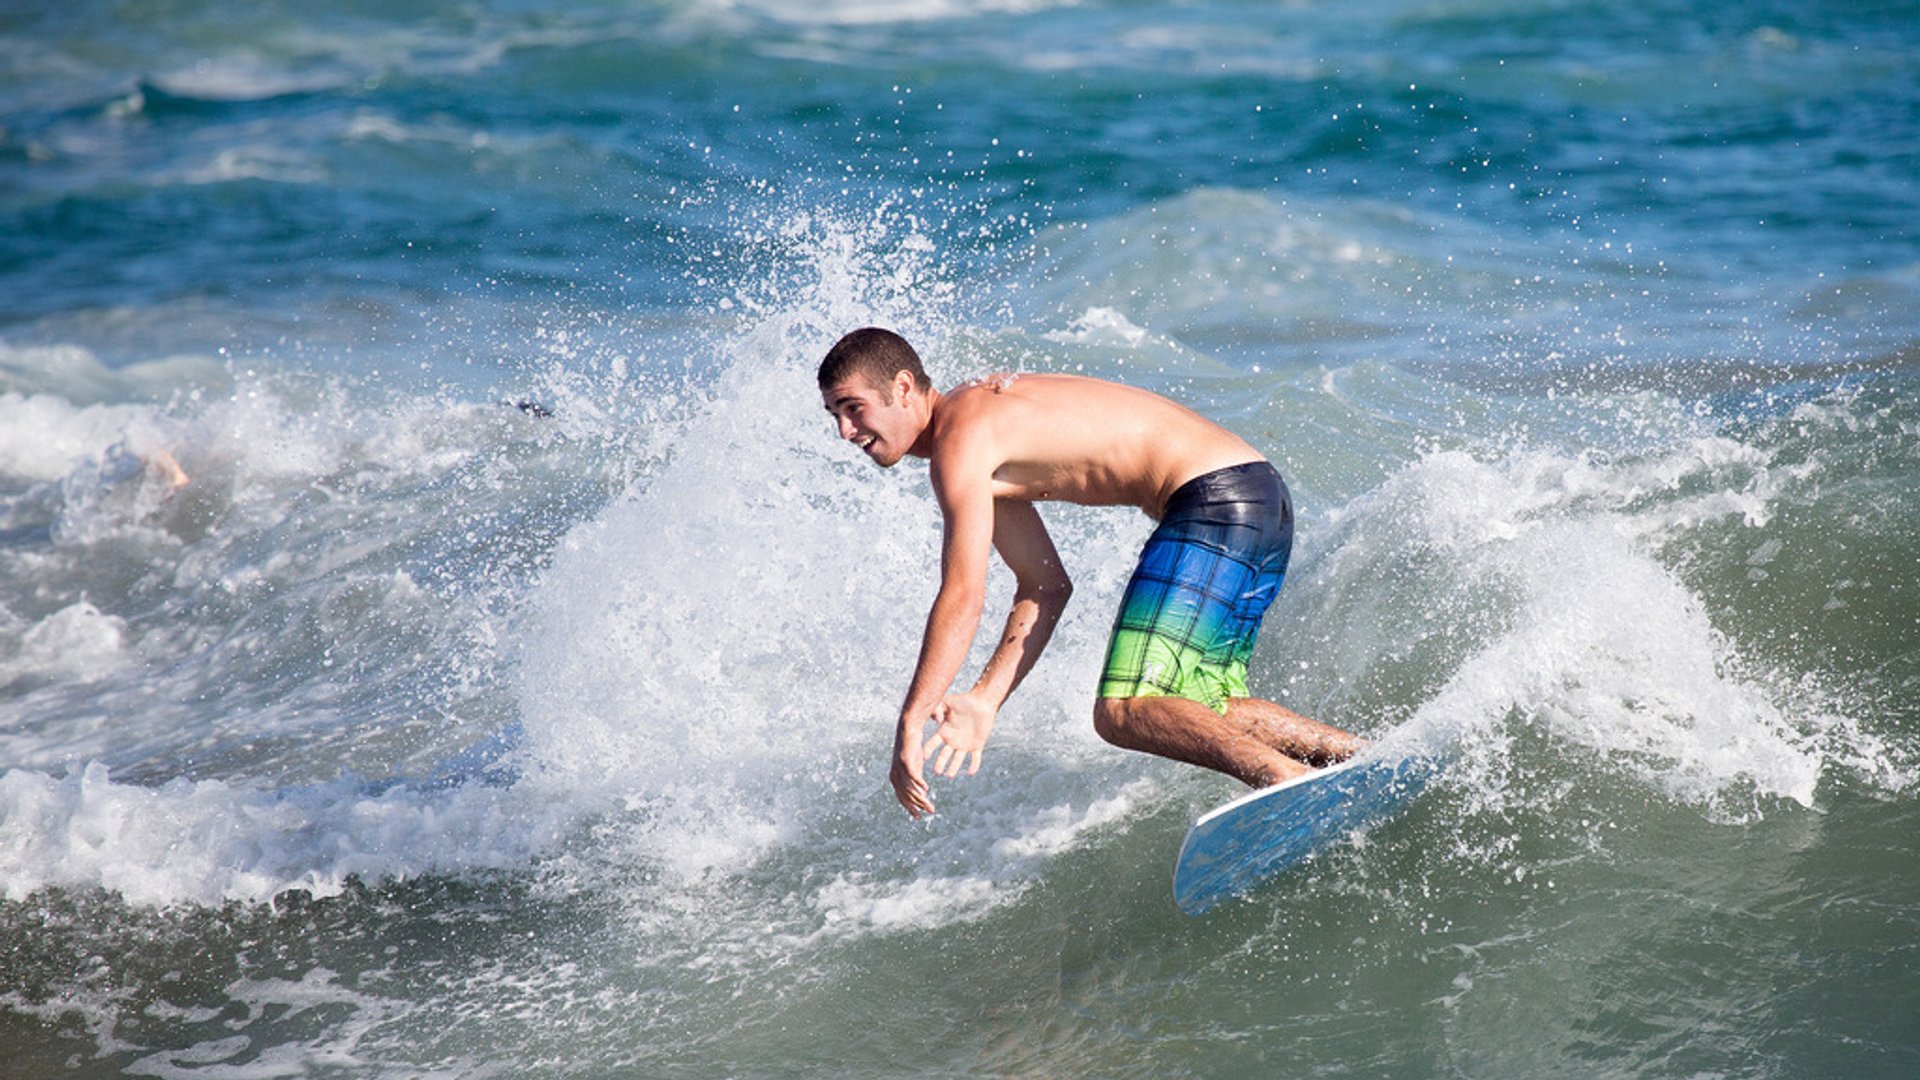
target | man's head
[
  {"x": 878, "y": 392},
  {"x": 878, "y": 355}
]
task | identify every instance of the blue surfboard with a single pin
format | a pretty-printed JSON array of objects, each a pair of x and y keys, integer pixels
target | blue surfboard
[{"x": 1257, "y": 836}]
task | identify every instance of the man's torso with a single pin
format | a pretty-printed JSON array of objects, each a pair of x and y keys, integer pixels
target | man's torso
[{"x": 1081, "y": 440}]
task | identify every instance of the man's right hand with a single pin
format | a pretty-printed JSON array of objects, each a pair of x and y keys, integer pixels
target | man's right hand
[{"x": 909, "y": 784}]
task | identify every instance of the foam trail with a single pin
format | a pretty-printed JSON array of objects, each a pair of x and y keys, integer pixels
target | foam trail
[{"x": 1543, "y": 595}]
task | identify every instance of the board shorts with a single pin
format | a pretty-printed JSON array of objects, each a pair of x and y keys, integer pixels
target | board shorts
[{"x": 1189, "y": 617}]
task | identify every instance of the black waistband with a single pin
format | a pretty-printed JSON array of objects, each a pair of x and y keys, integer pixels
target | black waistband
[
  {"x": 1249, "y": 493},
  {"x": 1243, "y": 510}
]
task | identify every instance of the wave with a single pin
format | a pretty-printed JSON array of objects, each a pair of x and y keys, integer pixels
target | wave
[{"x": 676, "y": 613}]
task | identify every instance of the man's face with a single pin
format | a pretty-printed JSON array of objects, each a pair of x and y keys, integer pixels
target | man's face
[{"x": 883, "y": 429}]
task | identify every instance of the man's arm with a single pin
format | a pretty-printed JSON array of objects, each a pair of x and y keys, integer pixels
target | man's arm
[
  {"x": 1041, "y": 589},
  {"x": 963, "y": 485}
]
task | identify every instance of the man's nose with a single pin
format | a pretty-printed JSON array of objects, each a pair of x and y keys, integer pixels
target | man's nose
[{"x": 846, "y": 427}]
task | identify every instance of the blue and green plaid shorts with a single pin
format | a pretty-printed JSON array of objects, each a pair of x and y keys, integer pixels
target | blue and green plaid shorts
[{"x": 1189, "y": 617}]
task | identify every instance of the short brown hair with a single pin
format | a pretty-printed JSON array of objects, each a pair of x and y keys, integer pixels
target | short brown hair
[{"x": 875, "y": 355}]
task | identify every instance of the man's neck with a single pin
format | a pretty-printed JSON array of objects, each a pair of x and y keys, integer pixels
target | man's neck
[{"x": 923, "y": 445}]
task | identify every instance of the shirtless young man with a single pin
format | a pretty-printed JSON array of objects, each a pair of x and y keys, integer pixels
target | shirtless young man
[{"x": 1175, "y": 676}]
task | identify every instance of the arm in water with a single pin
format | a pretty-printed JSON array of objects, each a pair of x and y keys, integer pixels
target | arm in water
[
  {"x": 974, "y": 520},
  {"x": 1040, "y": 594}
]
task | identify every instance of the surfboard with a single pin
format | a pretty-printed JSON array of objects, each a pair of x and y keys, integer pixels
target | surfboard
[{"x": 1259, "y": 835}]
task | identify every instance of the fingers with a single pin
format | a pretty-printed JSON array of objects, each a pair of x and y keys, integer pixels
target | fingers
[
  {"x": 914, "y": 798},
  {"x": 942, "y": 765},
  {"x": 939, "y": 753},
  {"x": 942, "y": 758},
  {"x": 909, "y": 788},
  {"x": 947, "y": 759}
]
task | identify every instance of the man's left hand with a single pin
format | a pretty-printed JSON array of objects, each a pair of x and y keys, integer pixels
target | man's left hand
[{"x": 965, "y": 722}]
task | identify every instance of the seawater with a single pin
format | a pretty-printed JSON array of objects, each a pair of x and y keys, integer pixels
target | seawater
[{"x": 441, "y": 636}]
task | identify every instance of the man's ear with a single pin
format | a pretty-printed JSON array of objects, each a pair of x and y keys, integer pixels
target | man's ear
[{"x": 903, "y": 383}]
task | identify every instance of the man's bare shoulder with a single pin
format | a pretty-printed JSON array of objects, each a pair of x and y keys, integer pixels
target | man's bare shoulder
[
  {"x": 1048, "y": 414},
  {"x": 994, "y": 408},
  {"x": 1009, "y": 391},
  {"x": 968, "y": 430},
  {"x": 980, "y": 406}
]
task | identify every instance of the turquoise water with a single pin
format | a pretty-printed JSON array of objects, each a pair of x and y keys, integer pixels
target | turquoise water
[{"x": 440, "y": 635}]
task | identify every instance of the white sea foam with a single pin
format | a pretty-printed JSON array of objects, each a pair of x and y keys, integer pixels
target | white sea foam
[
  {"x": 1100, "y": 325},
  {"x": 735, "y": 717},
  {"x": 721, "y": 650},
  {"x": 709, "y": 647},
  {"x": 260, "y": 161},
  {"x": 150, "y": 598},
  {"x": 76, "y": 642},
  {"x": 708, "y": 664},
  {"x": 989, "y": 864},
  {"x": 245, "y": 75},
  {"x": 76, "y": 375},
  {"x": 1540, "y": 574},
  {"x": 869, "y": 12},
  {"x": 208, "y": 841},
  {"x": 355, "y": 1013},
  {"x": 43, "y": 437}
]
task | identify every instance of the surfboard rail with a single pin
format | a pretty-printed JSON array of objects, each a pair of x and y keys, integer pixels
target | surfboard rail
[{"x": 1261, "y": 834}]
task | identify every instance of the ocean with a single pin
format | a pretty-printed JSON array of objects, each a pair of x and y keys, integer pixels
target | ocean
[{"x": 442, "y": 636}]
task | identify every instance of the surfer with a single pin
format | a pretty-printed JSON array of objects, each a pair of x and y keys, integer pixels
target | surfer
[{"x": 1174, "y": 683}]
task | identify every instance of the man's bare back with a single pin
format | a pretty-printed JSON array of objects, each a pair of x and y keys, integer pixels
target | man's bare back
[
  {"x": 1082, "y": 440},
  {"x": 997, "y": 446}
]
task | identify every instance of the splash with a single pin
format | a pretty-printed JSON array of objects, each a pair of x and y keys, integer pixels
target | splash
[
  {"x": 1530, "y": 589},
  {"x": 719, "y": 650}
]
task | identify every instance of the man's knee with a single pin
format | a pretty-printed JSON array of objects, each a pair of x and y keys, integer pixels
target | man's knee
[{"x": 1113, "y": 721}]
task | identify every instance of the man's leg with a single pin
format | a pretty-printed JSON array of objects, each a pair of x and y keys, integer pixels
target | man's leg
[
  {"x": 1294, "y": 735},
  {"x": 1256, "y": 742}
]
